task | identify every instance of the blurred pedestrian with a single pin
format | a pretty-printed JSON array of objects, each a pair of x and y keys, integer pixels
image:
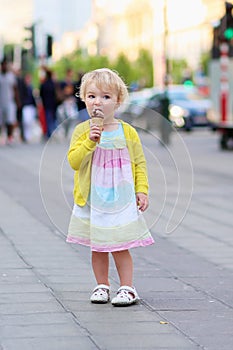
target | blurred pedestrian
[
  {"x": 111, "y": 186},
  {"x": 9, "y": 100},
  {"x": 165, "y": 123},
  {"x": 67, "y": 111},
  {"x": 67, "y": 84},
  {"x": 21, "y": 91},
  {"x": 48, "y": 94},
  {"x": 29, "y": 110},
  {"x": 83, "y": 114}
]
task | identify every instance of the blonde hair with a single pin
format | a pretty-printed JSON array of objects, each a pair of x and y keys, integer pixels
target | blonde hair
[{"x": 104, "y": 78}]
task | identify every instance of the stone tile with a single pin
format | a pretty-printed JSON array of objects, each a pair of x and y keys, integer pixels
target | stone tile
[
  {"x": 129, "y": 328},
  {"x": 53, "y": 343},
  {"x": 35, "y": 319},
  {"x": 144, "y": 341},
  {"x": 26, "y": 297},
  {"x": 27, "y": 308},
  {"x": 39, "y": 330},
  {"x": 22, "y": 288}
]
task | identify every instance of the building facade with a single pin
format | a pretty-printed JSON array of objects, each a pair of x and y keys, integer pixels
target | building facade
[
  {"x": 180, "y": 29},
  {"x": 167, "y": 28}
]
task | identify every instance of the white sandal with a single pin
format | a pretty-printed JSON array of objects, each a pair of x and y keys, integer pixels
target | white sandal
[
  {"x": 125, "y": 296},
  {"x": 100, "y": 294}
]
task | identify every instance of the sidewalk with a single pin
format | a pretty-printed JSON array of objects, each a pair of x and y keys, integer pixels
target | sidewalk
[
  {"x": 45, "y": 283},
  {"x": 45, "y": 288}
]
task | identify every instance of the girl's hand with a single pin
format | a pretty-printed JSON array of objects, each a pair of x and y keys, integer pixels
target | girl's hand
[
  {"x": 142, "y": 201},
  {"x": 95, "y": 133}
]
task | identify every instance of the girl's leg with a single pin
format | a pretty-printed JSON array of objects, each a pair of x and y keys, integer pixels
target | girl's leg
[
  {"x": 124, "y": 265},
  {"x": 100, "y": 265}
]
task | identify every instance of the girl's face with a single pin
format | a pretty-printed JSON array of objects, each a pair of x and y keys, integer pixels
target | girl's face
[{"x": 104, "y": 100}]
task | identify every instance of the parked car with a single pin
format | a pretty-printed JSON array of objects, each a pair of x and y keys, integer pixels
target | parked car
[
  {"x": 187, "y": 107},
  {"x": 136, "y": 111}
]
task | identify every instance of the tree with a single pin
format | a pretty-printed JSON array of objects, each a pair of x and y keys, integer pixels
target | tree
[
  {"x": 144, "y": 68},
  {"x": 140, "y": 71},
  {"x": 9, "y": 52},
  {"x": 204, "y": 61},
  {"x": 177, "y": 68},
  {"x": 123, "y": 66}
]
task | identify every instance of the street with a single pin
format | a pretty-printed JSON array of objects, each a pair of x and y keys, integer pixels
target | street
[{"x": 184, "y": 280}]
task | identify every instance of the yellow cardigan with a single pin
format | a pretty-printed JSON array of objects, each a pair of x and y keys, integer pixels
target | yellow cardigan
[{"x": 80, "y": 159}]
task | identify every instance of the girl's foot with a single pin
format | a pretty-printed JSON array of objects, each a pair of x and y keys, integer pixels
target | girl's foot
[
  {"x": 100, "y": 294},
  {"x": 125, "y": 296}
]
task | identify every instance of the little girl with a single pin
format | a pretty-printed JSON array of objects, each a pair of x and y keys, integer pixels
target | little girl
[{"x": 110, "y": 187}]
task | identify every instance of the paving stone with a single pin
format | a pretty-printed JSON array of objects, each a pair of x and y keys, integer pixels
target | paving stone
[
  {"x": 143, "y": 341},
  {"x": 39, "y": 330},
  {"x": 24, "y": 308},
  {"x": 26, "y": 297},
  {"x": 22, "y": 288},
  {"x": 58, "y": 343},
  {"x": 129, "y": 328},
  {"x": 115, "y": 315},
  {"x": 35, "y": 319},
  {"x": 185, "y": 280}
]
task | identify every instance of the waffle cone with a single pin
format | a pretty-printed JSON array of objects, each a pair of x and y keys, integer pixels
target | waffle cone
[{"x": 97, "y": 121}]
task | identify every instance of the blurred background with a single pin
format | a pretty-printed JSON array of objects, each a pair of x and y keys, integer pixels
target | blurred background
[
  {"x": 153, "y": 44},
  {"x": 176, "y": 57},
  {"x": 141, "y": 32}
]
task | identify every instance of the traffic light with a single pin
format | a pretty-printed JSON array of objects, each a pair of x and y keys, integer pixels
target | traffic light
[
  {"x": 49, "y": 48},
  {"x": 228, "y": 33},
  {"x": 31, "y": 40},
  {"x": 223, "y": 32}
]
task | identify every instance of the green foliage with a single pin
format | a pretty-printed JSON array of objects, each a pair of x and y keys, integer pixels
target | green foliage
[
  {"x": 123, "y": 66},
  {"x": 204, "y": 61},
  {"x": 9, "y": 52},
  {"x": 79, "y": 62},
  {"x": 144, "y": 68},
  {"x": 140, "y": 71},
  {"x": 61, "y": 66},
  {"x": 176, "y": 70},
  {"x": 135, "y": 73}
]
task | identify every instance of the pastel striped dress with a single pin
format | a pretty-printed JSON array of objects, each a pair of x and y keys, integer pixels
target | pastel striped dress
[{"x": 110, "y": 221}]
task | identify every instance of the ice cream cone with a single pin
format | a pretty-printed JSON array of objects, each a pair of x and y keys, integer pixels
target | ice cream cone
[{"x": 97, "y": 119}]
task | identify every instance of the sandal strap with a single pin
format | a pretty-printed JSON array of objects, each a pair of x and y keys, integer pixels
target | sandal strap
[
  {"x": 128, "y": 289},
  {"x": 101, "y": 286}
]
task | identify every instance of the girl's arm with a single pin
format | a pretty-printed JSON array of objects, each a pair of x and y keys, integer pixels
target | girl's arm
[
  {"x": 142, "y": 201},
  {"x": 141, "y": 177},
  {"x": 80, "y": 146}
]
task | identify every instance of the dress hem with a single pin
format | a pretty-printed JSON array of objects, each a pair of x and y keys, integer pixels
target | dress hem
[{"x": 114, "y": 248}]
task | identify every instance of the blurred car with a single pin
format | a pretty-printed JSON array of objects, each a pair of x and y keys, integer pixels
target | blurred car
[
  {"x": 187, "y": 107},
  {"x": 136, "y": 111}
]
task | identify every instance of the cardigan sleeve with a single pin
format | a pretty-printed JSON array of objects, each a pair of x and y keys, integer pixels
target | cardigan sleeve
[
  {"x": 141, "y": 177},
  {"x": 138, "y": 160},
  {"x": 80, "y": 146}
]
